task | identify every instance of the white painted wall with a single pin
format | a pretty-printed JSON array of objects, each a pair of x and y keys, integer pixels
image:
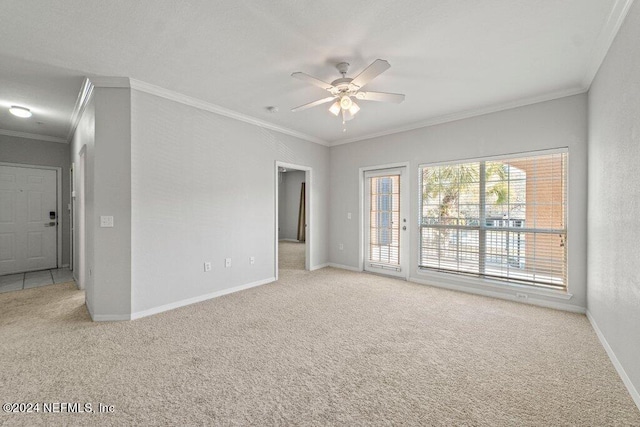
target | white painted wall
[
  {"x": 41, "y": 153},
  {"x": 203, "y": 189},
  {"x": 547, "y": 125},
  {"x": 614, "y": 191},
  {"x": 289, "y": 199}
]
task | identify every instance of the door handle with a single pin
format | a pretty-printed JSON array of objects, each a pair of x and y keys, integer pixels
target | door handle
[
  {"x": 50, "y": 224},
  {"x": 404, "y": 227}
]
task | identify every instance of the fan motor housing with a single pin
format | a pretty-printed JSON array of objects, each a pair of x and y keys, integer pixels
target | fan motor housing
[
  {"x": 344, "y": 81},
  {"x": 343, "y": 85}
]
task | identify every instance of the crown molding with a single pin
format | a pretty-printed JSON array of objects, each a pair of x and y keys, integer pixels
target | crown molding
[
  {"x": 33, "y": 136},
  {"x": 598, "y": 54},
  {"x": 86, "y": 90},
  {"x": 214, "y": 108},
  {"x": 605, "y": 39},
  {"x": 110, "y": 81},
  {"x": 126, "y": 82},
  {"x": 465, "y": 115}
]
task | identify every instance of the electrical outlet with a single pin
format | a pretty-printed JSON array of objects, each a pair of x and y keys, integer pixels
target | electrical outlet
[
  {"x": 340, "y": 246},
  {"x": 207, "y": 266},
  {"x": 252, "y": 260},
  {"x": 227, "y": 262},
  {"x": 348, "y": 215},
  {"x": 522, "y": 296}
]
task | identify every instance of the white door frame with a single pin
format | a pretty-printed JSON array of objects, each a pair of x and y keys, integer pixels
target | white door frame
[
  {"x": 71, "y": 208},
  {"x": 80, "y": 225},
  {"x": 405, "y": 187},
  {"x": 308, "y": 172},
  {"x": 58, "y": 203}
]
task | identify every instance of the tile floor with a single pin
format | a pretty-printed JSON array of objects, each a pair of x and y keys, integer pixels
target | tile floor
[{"x": 34, "y": 279}]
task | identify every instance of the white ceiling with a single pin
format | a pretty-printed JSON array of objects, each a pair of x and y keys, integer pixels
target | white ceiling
[{"x": 451, "y": 58}]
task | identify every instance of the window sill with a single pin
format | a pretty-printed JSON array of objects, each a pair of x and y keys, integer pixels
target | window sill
[{"x": 493, "y": 285}]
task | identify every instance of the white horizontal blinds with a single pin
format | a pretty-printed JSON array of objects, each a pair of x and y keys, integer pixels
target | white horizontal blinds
[
  {"x": 502, "y": 219},
  {"x": 384, "y": 232}
]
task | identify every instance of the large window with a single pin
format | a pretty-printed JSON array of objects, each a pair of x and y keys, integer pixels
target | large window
[{"x": 501, "y": 219}]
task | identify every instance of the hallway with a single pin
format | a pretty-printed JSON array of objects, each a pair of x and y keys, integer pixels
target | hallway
[{"x": 34, "y": 279}]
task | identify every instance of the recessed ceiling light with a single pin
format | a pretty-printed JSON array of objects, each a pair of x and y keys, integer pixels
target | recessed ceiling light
[{"x": 20, "y": 111}]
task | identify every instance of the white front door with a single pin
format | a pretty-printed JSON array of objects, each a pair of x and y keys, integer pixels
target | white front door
[
  {"x": 28, "y": 219},
  {"x": 385, "y": 222}
]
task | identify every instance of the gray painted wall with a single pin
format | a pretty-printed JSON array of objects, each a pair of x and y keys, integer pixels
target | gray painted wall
[
  {"x": 614, "y": 192},
  {"x": 106, "y": 131},
  {"x": 84, "y": 136},
  {"x": 42, "y": 153},
  {"x": 547, "y": 125},
  {"x": 112, "y": 191},
  {"x": 289, "y": 199},
  {"x": 203, "y": 189}
]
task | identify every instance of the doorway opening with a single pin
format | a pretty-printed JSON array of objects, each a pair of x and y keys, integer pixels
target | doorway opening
[{"x": 292, "y": 207}]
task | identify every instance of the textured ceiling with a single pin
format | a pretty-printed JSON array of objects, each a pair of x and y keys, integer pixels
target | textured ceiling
[{"x": 448, "y": 57}]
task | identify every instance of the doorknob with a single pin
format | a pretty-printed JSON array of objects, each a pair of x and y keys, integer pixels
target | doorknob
[
  {"x": 404, "y": 227},
  {"x": 50, "y": 224}
]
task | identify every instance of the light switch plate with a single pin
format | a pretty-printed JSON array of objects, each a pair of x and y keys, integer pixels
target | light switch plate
[{"x": 106, "y": 221}]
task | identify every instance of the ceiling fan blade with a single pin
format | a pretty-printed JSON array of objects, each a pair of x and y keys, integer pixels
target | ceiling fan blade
[
  {"x": 309, "y": 79},
  {"x": 396, "y": 98},
  {"x": 376, "y": 68},
  {"x": 314, "y": 103}
]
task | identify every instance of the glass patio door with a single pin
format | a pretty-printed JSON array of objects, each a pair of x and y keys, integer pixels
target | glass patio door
[{"x": 385, "y": 222}]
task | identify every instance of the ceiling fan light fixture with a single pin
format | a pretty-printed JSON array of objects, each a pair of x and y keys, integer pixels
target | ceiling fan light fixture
[
  {"x": 20, "y": 111},
  {"x": 335, "y": 108},
  {"x": 346, "y": 116},
  {"x": 345, "y": 91},
  {"x": 346, "y": 102}
]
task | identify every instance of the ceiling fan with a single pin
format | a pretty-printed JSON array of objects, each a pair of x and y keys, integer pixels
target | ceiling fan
[{"x": 344, "y": 89}]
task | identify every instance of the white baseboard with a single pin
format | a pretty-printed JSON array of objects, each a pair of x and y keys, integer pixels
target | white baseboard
[
  {"x": 106, "y": 317},
  {"x": 616, "y": 363},
  {"x": 290, "y": 240},
  {"x": 188, "y": 301},
  {"x": 501, "y": 295},
  {"x": 110, "y": 317},
  {"x": 318, "y": 267},
  {"x": 64, "y": 266},
  {"x": 344, "y": 267}
]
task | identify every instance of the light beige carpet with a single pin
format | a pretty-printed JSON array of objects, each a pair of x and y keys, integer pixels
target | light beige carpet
[
  {"x": 327, "y": 347},
  {"x": 291, "y": 255}
]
